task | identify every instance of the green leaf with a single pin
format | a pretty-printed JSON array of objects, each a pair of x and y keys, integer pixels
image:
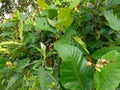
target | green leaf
[
  {"x": 52, "y": 22},
  {"x": 113, "y": 2},
  {"x": 9, "y": 43},
  {"x": 12, "y": 80},
  {"x": 74, "y": 3},
  {"x": 30, "y": 37},
  {"x": 66, "y": 38},
  {"x": 42, "y": 50},
  {"x": 42, "y": 78},
  {"x": 3, "y": 62},
  {"x": 4, "y": 50},
  {"x": 18, "y": 52},
  {"x": 69, "y": 33},
  {"x": 112, "y": 55},
  {"x": 109, "y": 77},
  {"x": 21, "y": 64},
  {"x": 99, "y": 53},
  {"x": 42, "y": 24},
  {"x": 79, "y": 40},
  {"x": 52, "y": 13},
  {"x": 64, "y": 18},
  {"x": 7, "y": 33},
  {"x": 74, "y": 73},
  {"x": 113, "y": 22},
  {"x": 42, "y": 4},
  {"x": 21, "y": 30},
  {"x": 7, "y": 24}
]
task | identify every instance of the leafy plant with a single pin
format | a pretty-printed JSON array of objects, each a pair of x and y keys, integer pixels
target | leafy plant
[{"x": 61, "y": 45}]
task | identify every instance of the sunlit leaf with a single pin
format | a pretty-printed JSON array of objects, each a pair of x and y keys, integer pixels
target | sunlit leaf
[
  {"x": 42, "y": 4},
  {"x": 3, "y": 62},
  {"x": 4, "y": 50},
  {"x": 112, "y": 55},
  {"x": 9, "y": 43},
  {"x": 51, "y": 22},
  {"x": 64, "y": 18},
  {"x": 74, "y": 3},
  {"x": 21, "y": 30},
  {"x": 80, "y": 41}
]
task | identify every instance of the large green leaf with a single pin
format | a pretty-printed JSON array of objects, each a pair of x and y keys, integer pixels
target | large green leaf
[
  {"x": 109, "y": 77},
  {"x": 99, "y": 53},
  {"x": 113, "y": 22},
  {"x": 74, "y": 73}
]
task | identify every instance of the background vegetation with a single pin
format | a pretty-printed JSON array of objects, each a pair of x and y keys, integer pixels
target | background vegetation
[{"x": 59, "y": 44}]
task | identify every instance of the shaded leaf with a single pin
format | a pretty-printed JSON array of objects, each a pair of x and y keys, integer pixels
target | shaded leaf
[
  {"x": 67, "y": 37},
  {"x": 52, "y": 13},
  {"x": 99, "y": 53},
  {"x": 42, "y": 78},
  {"x": 12, "y": 80},
  {"x": 21, "y": 64},
  {"x": 113, "y": 2},
  {"x": 30, "y": 37},
  {"x": 3, "y": 62},
  {"x": 7, "y": 33},
  {"x": 42, "y": 24},
  {"x": 7, "y": 24},
  {"x": 113, "y": 22}
]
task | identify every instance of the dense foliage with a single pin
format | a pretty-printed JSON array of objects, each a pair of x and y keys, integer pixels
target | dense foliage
[{"x": 60, "y": 45}]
